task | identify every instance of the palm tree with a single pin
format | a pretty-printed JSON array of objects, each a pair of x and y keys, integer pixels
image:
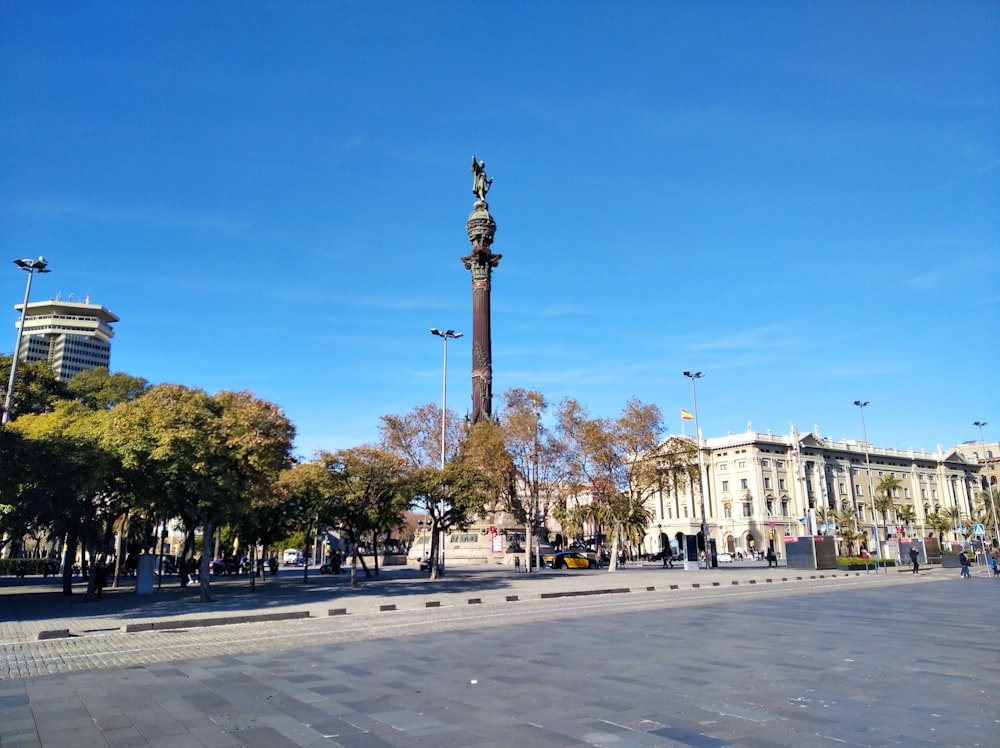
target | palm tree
[
  {"x": 987, "y": 509},
  {"x": 826, "y": 516},
  {"x": 907, "y": 515},
  {"x": 885, "y": 492},
  {"x": 954, "y": 515},
  {"x": 847, "y": 523},
  {"x": 939, "y": 522}
]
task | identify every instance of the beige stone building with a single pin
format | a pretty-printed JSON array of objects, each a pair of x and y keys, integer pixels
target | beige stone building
[{"x": 763, "y": 487}]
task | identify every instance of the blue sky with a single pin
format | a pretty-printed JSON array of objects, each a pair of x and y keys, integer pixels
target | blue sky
[{"x": 798, "y": 199}]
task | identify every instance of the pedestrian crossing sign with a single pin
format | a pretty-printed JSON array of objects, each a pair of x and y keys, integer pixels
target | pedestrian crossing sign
[{"x": 979, "y": 529}]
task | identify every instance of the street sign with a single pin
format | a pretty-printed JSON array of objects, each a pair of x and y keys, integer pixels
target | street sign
[{"x": 978, "y": 529}]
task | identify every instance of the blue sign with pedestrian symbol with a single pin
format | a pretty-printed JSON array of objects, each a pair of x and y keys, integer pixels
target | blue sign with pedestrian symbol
[{"x": 978, "y": 529}]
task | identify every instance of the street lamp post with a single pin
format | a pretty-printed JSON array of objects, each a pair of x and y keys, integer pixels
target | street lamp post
[
  {"x": 445, "y": 335},
  {"x": 871, "y": 491},
  {"x": 693, "y": 375},
  {"x": 988, "y": 489},
  {"x": 31, "y": 267}
]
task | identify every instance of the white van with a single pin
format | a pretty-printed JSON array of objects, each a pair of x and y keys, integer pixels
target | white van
[{"x": 291, "y": 557}]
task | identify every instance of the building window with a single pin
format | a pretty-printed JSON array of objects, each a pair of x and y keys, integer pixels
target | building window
[
  {"x": 784, "y": 508},
  {"x": 770, "y": 507},
  {"x": 857, "y": 489},
  {"x": 723, "y": 466},
  {"x": 923, "y": 493},
  {"x": 747, "y": 509},
  {"x": 843, "y": 489},
  {"x": 767, "y": 482},
  {"x": 781, "y": 484},
  {"x": 743, "y": 483},
  {"x": 765, "y": 463},
  {"x": 725, "y": 485},
  {"x": 779, "y": 463},
  {"x": 906, "y": 492},
  {"x": 727, "y": 510},
  {"x": 741, "y": 464}
]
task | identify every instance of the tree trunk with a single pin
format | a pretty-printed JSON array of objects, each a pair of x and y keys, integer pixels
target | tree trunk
[
  {"x": 204, "y": 572},
  {"x": 69, "y": 554},
  {"x": 613, "y": 562},
  {"x": 435, "y": 552}
]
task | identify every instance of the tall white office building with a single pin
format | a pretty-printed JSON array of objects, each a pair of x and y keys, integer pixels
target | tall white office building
[{"x": 69, "y": 335}]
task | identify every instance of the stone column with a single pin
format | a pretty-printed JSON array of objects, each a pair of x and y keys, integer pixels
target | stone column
[{"x": 481, "y": 228}]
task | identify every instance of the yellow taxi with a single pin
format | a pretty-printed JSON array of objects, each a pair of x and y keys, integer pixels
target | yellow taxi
[{"x": 570, "y": 560}]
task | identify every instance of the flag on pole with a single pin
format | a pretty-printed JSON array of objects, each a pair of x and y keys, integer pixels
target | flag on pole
[{"x": 685, "y": 416}]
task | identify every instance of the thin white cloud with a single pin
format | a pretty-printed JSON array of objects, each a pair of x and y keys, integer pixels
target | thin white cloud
[{"x": 130, "y": 215}]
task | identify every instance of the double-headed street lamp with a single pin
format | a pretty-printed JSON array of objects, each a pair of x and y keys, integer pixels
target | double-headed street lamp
[
  {"x": 445, "y": 335},
  {"x": 693, "y": 375},
  {"x": 988, "y": 489},
  {"x": 871, "y": 491},
  {"x": 31, "y": 267}
]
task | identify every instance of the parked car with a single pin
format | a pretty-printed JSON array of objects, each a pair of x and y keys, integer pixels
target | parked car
[
  {"x": 291, "y": 557},
  {"x": 570, "y": 560},
  {"x": 725, "y": 558}
]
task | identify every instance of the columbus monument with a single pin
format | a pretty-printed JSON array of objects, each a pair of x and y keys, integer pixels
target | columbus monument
[{"x": 480, "y": 263}]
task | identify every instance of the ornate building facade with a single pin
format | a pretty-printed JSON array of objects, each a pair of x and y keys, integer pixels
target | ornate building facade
[{"x": 763, "y": 487}]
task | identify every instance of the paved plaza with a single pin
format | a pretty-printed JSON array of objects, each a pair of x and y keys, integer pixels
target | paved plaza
[{"x": 740, "y": 656}]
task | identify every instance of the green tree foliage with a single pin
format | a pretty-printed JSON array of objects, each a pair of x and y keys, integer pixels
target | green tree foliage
[
  {"x": 484, "y": 449},
  {"x": 888, "y": 486},
  {"x": 203, "y": 458},
  {"x": 72, "y": 485},
  {"x": 452, "y": 498},
  {"x": 101, "y": 390},
  {"x": 370, "y": 493},
  {"x": 303, "y": 498},
  {"x": 36, "y": 389}
]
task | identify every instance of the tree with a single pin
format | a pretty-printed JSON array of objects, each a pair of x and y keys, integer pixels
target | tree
[
  {"x": 676, "y": 467},
  {"x": 987, "y": 509},
  {"x": 201, "y": 457},
  {"x": 885, "y": 493},
  {"x": 907, "y": 515},
  {"x": 959, "y": 522},
  {"x": 847, "y": 524},
  {"x": 36, "y": 389},
  {"x": 941, "y": 523},
  {"x": 539, "y": 461},
  {"x": 609, "y": 459},
  {"x": 101, "y": 390},
  {"x": 73, "y": 486},
  {"x": 483, "y": 449},
  {"x": 451, "y": 498},
  {"x": 416, "y": 436},
  {"x": 367, "y": 485}
]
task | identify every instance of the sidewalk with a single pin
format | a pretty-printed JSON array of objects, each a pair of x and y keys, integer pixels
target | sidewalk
[{"x": 34, "y": 609}]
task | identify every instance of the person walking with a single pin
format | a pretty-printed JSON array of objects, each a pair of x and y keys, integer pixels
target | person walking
[
  {"x": 915, "y": 559},
  {"x": 963, "y": 559}
]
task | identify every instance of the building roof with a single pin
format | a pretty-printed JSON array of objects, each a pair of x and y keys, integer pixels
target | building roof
[{"x": 69, "y": 308}]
